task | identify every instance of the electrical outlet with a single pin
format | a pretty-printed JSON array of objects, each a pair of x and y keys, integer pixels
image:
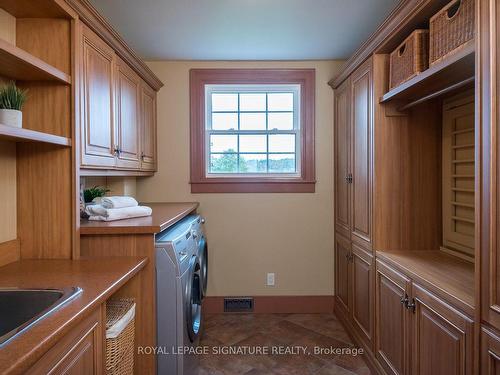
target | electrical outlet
[{"x": 270, "y": 279}]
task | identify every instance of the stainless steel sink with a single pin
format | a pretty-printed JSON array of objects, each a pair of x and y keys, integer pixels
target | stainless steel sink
[{"x": 20, "y": 308}]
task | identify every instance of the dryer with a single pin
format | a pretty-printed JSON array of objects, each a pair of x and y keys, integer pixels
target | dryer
[{"x": 178, "y": 299}]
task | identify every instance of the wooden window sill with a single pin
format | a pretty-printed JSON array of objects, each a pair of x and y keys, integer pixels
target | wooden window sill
[{"x": 258, "y": 186}]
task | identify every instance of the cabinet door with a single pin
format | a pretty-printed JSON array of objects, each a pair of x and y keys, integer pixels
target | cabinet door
[
  {"x": 442, "y": 342},
  {"x": 361, "y": 151},
  {"x": 127, "y": 130},
  {"x": 342, "y": 158},
  {"x": 488, "y": 59},
  {"x": 392, "y": 323},
  {"x": 148, "y": 128},
  {"x": 77, "y": 353},
  {"x": 362, "y": 293},
  {"x": 490, "y": 353},
  {"x": 342, "y": 273},
  {"x": 97, "y": 84}
]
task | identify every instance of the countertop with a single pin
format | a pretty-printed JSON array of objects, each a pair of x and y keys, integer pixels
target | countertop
[
  {"x": 448, "y": 276},
  {"x": 164, "y": 215},
  {"x": 99, "y": 279}
]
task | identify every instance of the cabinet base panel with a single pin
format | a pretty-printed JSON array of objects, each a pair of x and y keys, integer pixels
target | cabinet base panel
[{"x": 368, "y": 355}]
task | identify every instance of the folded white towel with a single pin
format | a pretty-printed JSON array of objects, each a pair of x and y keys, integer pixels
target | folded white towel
[
  {"x": 118, "y": 202},
  {"x": 100, "y": 213}
]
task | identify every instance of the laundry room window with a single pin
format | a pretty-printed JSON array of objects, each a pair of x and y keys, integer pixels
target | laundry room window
[{"x": 252, "y": 130}]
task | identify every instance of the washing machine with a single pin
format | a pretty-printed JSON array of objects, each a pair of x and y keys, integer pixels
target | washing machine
[
  {"x": 178, "y": 299},
  {"x": 201, "y": 242}
]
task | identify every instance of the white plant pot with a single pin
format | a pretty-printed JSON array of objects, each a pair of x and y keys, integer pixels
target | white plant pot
[{"x": 11, "y": 117}]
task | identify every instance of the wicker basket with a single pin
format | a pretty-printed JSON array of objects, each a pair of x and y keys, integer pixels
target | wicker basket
[
  {"x": 410, "y": 58},
  {"x": 120, "y": 330},
  {"x": 451, "y": 28}
]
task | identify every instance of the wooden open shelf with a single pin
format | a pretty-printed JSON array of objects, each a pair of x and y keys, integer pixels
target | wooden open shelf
[
  {"x": 34, "y": 8},
  {"x": 27, "y": 135},
  {"x": 20, "y": 65},
  {"x": 453, "y": 72},
  {"x": 444, "y": 274}
]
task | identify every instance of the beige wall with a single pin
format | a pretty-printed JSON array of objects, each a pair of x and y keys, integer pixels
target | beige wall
[
  {"x": 116, "y": 185},
  {"x": 251, "y": 234},
  {"x": 8, "y": 218}
]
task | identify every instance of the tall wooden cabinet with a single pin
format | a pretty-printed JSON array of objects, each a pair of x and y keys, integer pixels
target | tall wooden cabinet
[
  {"x": 343, "y": 159},
  {"x": 413, "y": 306},
  {"x": 360, "y": 178},
  {"x": 353, "y": 200},
  {"x": 353, "y": 156}
]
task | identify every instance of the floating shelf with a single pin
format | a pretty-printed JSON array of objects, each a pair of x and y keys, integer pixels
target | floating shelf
[
  {"x": 453, "y": 72},
  {"x": 20, "y": 65},
  {"x": 27, "y": 135}
]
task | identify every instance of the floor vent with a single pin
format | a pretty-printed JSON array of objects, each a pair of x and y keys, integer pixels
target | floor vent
[{"x": 238, "y": 304}]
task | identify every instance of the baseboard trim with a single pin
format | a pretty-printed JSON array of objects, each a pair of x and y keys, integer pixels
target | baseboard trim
[
  {"x": 369, "y": 356},
  {"x": 9, "y": 252},
  {"x": 278, "y": 304}
]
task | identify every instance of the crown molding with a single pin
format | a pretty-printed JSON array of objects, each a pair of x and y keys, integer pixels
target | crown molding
[{"x": 88, "y": 14}]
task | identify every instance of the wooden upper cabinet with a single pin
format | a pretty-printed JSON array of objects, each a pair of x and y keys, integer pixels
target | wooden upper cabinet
[
  {"x": 362, "y": 293},
  {"x": 392, "y": 324},
  {"x": 118, "y": 111},
  {"x": 342, "y": 158},
  {"x": 128, "y": 116},
  {"x": 148, "y": 128},
  {"x": 442, "y": 342},
  {"x": 97, "y": 85},
  {"x": 362, "y": 151}
]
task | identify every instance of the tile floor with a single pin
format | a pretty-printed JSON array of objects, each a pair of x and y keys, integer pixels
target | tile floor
[{"x": 277, "y": 332}]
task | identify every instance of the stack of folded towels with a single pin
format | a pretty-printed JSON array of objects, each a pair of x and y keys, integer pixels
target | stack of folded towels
[{"x": 116, "y": 208}]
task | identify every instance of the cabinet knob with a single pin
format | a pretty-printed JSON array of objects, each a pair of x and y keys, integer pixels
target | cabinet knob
[
  {"x": 143, "y": 155},
  {"x": 404, "y": 300},
  {"x": 117, "y": 151}
]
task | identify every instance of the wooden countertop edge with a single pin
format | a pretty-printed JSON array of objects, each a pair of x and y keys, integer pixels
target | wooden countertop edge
[
  {"x": 26, "y": 361},
  {"x": 456, "y": 301},
  {"x": 129, "y": 228},
  {"x": 459, "y": 303}
]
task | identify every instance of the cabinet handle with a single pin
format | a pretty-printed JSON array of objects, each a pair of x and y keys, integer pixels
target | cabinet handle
[
  {"x": 404, "y": 300},
  {"x": 347, "y": 179},
  {"x": 143, "y": 155},
  {"x": 350, "y": 178},
  {"x": 117, "y": 151},
  {"x": 411, "y": 305}
]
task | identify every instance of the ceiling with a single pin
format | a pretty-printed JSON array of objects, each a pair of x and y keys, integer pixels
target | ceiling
[{"x": 245, "y": 29}]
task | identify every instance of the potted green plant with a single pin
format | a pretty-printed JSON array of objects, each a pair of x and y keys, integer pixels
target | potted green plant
[
  {"x": 12, "y": 100},
  {"x": 94, "y": 192}
]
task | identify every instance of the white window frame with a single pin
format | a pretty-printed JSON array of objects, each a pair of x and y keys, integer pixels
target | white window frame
[{"x": 252, "y": 88}]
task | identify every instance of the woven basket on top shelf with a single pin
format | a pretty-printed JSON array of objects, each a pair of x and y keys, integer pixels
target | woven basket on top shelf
[
  {"x": 410, "y": 58},
  {"x": 450, "y": 29},
  {"x": 120, "y": 349}
]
